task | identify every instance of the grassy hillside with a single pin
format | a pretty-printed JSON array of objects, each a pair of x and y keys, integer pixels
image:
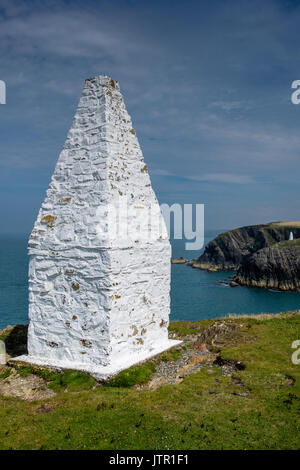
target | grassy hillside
[{"x": 247, "y": 397}]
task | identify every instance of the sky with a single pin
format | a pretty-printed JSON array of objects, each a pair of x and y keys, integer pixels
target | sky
[{"x": 207, "y": 84}]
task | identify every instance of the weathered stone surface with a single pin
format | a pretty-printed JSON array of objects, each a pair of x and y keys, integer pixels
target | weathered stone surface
[
  {"x": 179, "y": 261},
  {"x": 228, "y": 250},
  {"x": 275, "y": 267},
  {"x": 98, "y": 302}
]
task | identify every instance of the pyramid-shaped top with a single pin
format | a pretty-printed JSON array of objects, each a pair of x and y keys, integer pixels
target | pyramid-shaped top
[{"x": 101, "y": 163}]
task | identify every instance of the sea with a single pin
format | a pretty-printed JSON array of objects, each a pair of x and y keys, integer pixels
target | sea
[{"x": 195, "y": 294}]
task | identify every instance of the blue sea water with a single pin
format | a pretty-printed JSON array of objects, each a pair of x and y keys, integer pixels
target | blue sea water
[{"x": 195, "y": 294}]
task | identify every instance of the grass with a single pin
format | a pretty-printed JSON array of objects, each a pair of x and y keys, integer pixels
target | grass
[
  {"x": 291, "y": 224},
  {"x": 289, "y": 243},
  {"x": 5, "y": 374},
  {"x": 183, "y": 328},
  {"x": 70, "y": 380},
  {"x": 172, "y": 355},
  {"x": 4, "y": 334},
  {"x": 206, "y": 411},
  {"x": 136, "y": 375}
]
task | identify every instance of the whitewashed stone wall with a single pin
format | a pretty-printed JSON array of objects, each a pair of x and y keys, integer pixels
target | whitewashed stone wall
[{"x": 97, "y": 302}]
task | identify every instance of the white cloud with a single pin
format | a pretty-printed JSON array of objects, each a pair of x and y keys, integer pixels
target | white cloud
[
  {"x": 223, "y": 178},
  {"x": 209, "y": 177},
  {"x": 231, "y": 105}
]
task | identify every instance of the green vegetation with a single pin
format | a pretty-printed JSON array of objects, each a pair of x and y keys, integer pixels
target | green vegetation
[
  {"x": 136, "y": 375},
  {"x": 5, "y": 374},
  {"x": 289, "y": 243},
  {"x": 183, "y": 328},
  {"x": 4, "y": 334},
  {"x": 70, "y": 380},
  {"x": 172, "y": 355},
  {"x": 25, "y": 371},
  {"x": 257, "y": 408}
]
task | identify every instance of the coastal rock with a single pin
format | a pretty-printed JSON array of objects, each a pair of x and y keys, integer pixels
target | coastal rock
[
  {"x": 15, "y": 339},
  {"x": 228, "y": 250},
  {"x": 274, "y": 267},
  {"x": 234, "y": 284},
  {"x": 205, "y": 266},
  {"x": 180, "y": 260}
]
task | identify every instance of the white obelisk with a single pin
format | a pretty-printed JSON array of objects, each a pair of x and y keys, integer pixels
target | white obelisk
[{"x": 99, "y": 301}]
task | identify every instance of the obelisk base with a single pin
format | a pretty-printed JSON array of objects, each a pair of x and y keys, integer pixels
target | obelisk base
[{"x": 99, "y": 371}]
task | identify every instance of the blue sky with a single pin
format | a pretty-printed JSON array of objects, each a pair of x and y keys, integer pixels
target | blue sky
[{"x": 207, "y": 83}]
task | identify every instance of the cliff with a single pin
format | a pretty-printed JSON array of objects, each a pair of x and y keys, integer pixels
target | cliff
[
  {"x": 229, "y": 249},
  {"x": 277, "y": 266}
]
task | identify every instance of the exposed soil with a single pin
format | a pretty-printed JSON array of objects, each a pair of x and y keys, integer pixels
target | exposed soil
[
  {"x": 27, "y": 388},
  {"x": 199, "y": 350},
  {"x": 173, "y": 372}
]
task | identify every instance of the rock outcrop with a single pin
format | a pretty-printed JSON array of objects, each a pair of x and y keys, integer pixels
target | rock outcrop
[
  {"x": 229, "y": 249},
  {"x": 180, "y": 260},
  {"x": 15, "y": 339},
  {"x": 277, "y": 267}
]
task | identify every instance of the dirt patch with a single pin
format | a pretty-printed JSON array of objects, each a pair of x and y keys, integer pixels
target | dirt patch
[
  {"x": 198, "y": 352},
  {"x": 44, "y": 408},
  {"x": 219, "y": 334},
  {"x": 27, "y": 388},
  {"x": 289, "y": 381},
  {"x": 173, "y": 372}
]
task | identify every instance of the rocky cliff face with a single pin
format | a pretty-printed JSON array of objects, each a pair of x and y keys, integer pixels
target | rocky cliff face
[
  {"x": 229, "y": 249},
  {"x": 277, "y": 266}
]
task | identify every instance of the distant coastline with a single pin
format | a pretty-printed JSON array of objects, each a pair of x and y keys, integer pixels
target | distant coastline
[
  {"x": 264, "y": 256},
  {"x": 195, "y": 294}
]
